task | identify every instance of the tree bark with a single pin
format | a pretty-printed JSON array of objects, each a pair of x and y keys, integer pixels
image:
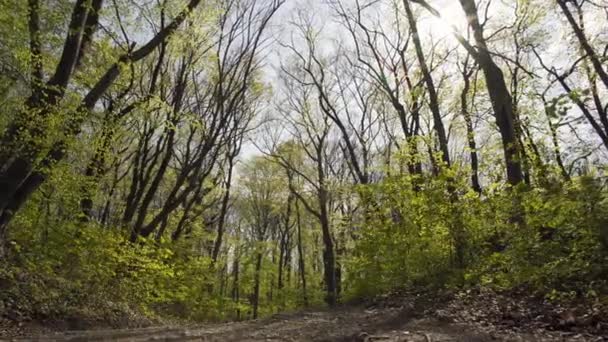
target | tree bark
[
  {"x": 586, "y": 46},
  {"x": 20, "y": 175},
  {"x": 502, "y": 103},
  {"x": 301, "y": 259},
  {"x": 464, "y": 109},
  {"x": 430, "y": 85},
  {"x": 329, "y": 258},
  {"x": 256, "y": 284},
  {"x": 223, "y": 212}
]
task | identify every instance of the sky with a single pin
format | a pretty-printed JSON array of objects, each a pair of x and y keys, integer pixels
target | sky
[
  {"x": 282, "y": 29},
  {"x": 452, "y": 16}
]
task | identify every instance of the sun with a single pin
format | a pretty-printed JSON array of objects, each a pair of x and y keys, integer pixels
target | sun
[{"x": 451, "y": 19}]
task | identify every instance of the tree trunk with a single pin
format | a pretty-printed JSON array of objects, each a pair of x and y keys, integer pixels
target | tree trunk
[
  {"x": 586, "y": 46},
  {"x": 301, "y": 260},
  {"x": 20, "y": 175},
  {"x": 464, "y": 109},
  {"x": 235, "y": 286},
  {"x": 329, "y": 258},
  {"x": 223, "y": 211},
  {"x": 500, "y": 97},
  {"x": 430, "y": 85},
  {"x": 256, "y": 285}
]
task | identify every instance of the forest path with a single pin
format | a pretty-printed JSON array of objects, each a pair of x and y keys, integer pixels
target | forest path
[{"x": 397, "y": 322}]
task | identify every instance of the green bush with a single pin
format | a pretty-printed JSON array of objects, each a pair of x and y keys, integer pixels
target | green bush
[
  {"x": 58, "y": 272},
  {"x": 551, "y": 238}
]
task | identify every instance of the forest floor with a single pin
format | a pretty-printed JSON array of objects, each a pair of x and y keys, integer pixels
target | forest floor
[{"x": 470, "y": 316}]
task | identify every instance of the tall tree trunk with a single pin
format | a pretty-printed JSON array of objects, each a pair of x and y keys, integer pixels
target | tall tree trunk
[
  {"x": 217, "y": 245},
  {"x": 235, "y": 285},
  {"x": 430, "y": 85},
  {"x": 301, "y": 259},
  {"x": 555, "y": 141},
  {"x": 23, "y": 140},
  {"x": 502, "y": 104},
  {"x": 329, "y": 263},
  {"x": 329, "y": 258},
  {"x": 20, "y": 174},
  {"x": 256, "y": 284},
  {"x": 464, "y": 110},
  {"x": 284, "y": 241},
  {"x": 517, "y": 123},
  {"x": 586, "y": 46},
  {"x": 95, "y": 167},
  {"x": 280, "y": 265}
]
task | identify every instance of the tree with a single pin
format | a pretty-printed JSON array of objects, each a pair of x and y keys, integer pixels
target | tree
[
  {"x": 22, "y": 160},
  {"x": 312, "y": 133},
  {"x": 502, "y": 103},
  {"x": 260, "y": 202}
]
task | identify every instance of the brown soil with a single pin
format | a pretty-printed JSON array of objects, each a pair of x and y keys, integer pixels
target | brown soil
[{"x": 396, "y": 318}]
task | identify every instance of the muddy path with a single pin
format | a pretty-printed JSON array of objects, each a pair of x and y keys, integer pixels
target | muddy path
[{"x": 403, "y": 322}]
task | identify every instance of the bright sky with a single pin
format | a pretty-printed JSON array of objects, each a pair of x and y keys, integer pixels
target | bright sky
[{"x": 451, "y": 16}]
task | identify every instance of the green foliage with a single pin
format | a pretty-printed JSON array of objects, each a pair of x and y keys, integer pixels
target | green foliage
[
  {"x": 167, "y": 131},
  {"x": 401, "y": 244},
  {"x": 559, "y": 248},
  {"x": 71, "y": 266},
  {"x": 60, "y": 267}
]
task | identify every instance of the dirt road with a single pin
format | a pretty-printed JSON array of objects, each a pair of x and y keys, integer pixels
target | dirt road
[{"x": 346, "y": 323}]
